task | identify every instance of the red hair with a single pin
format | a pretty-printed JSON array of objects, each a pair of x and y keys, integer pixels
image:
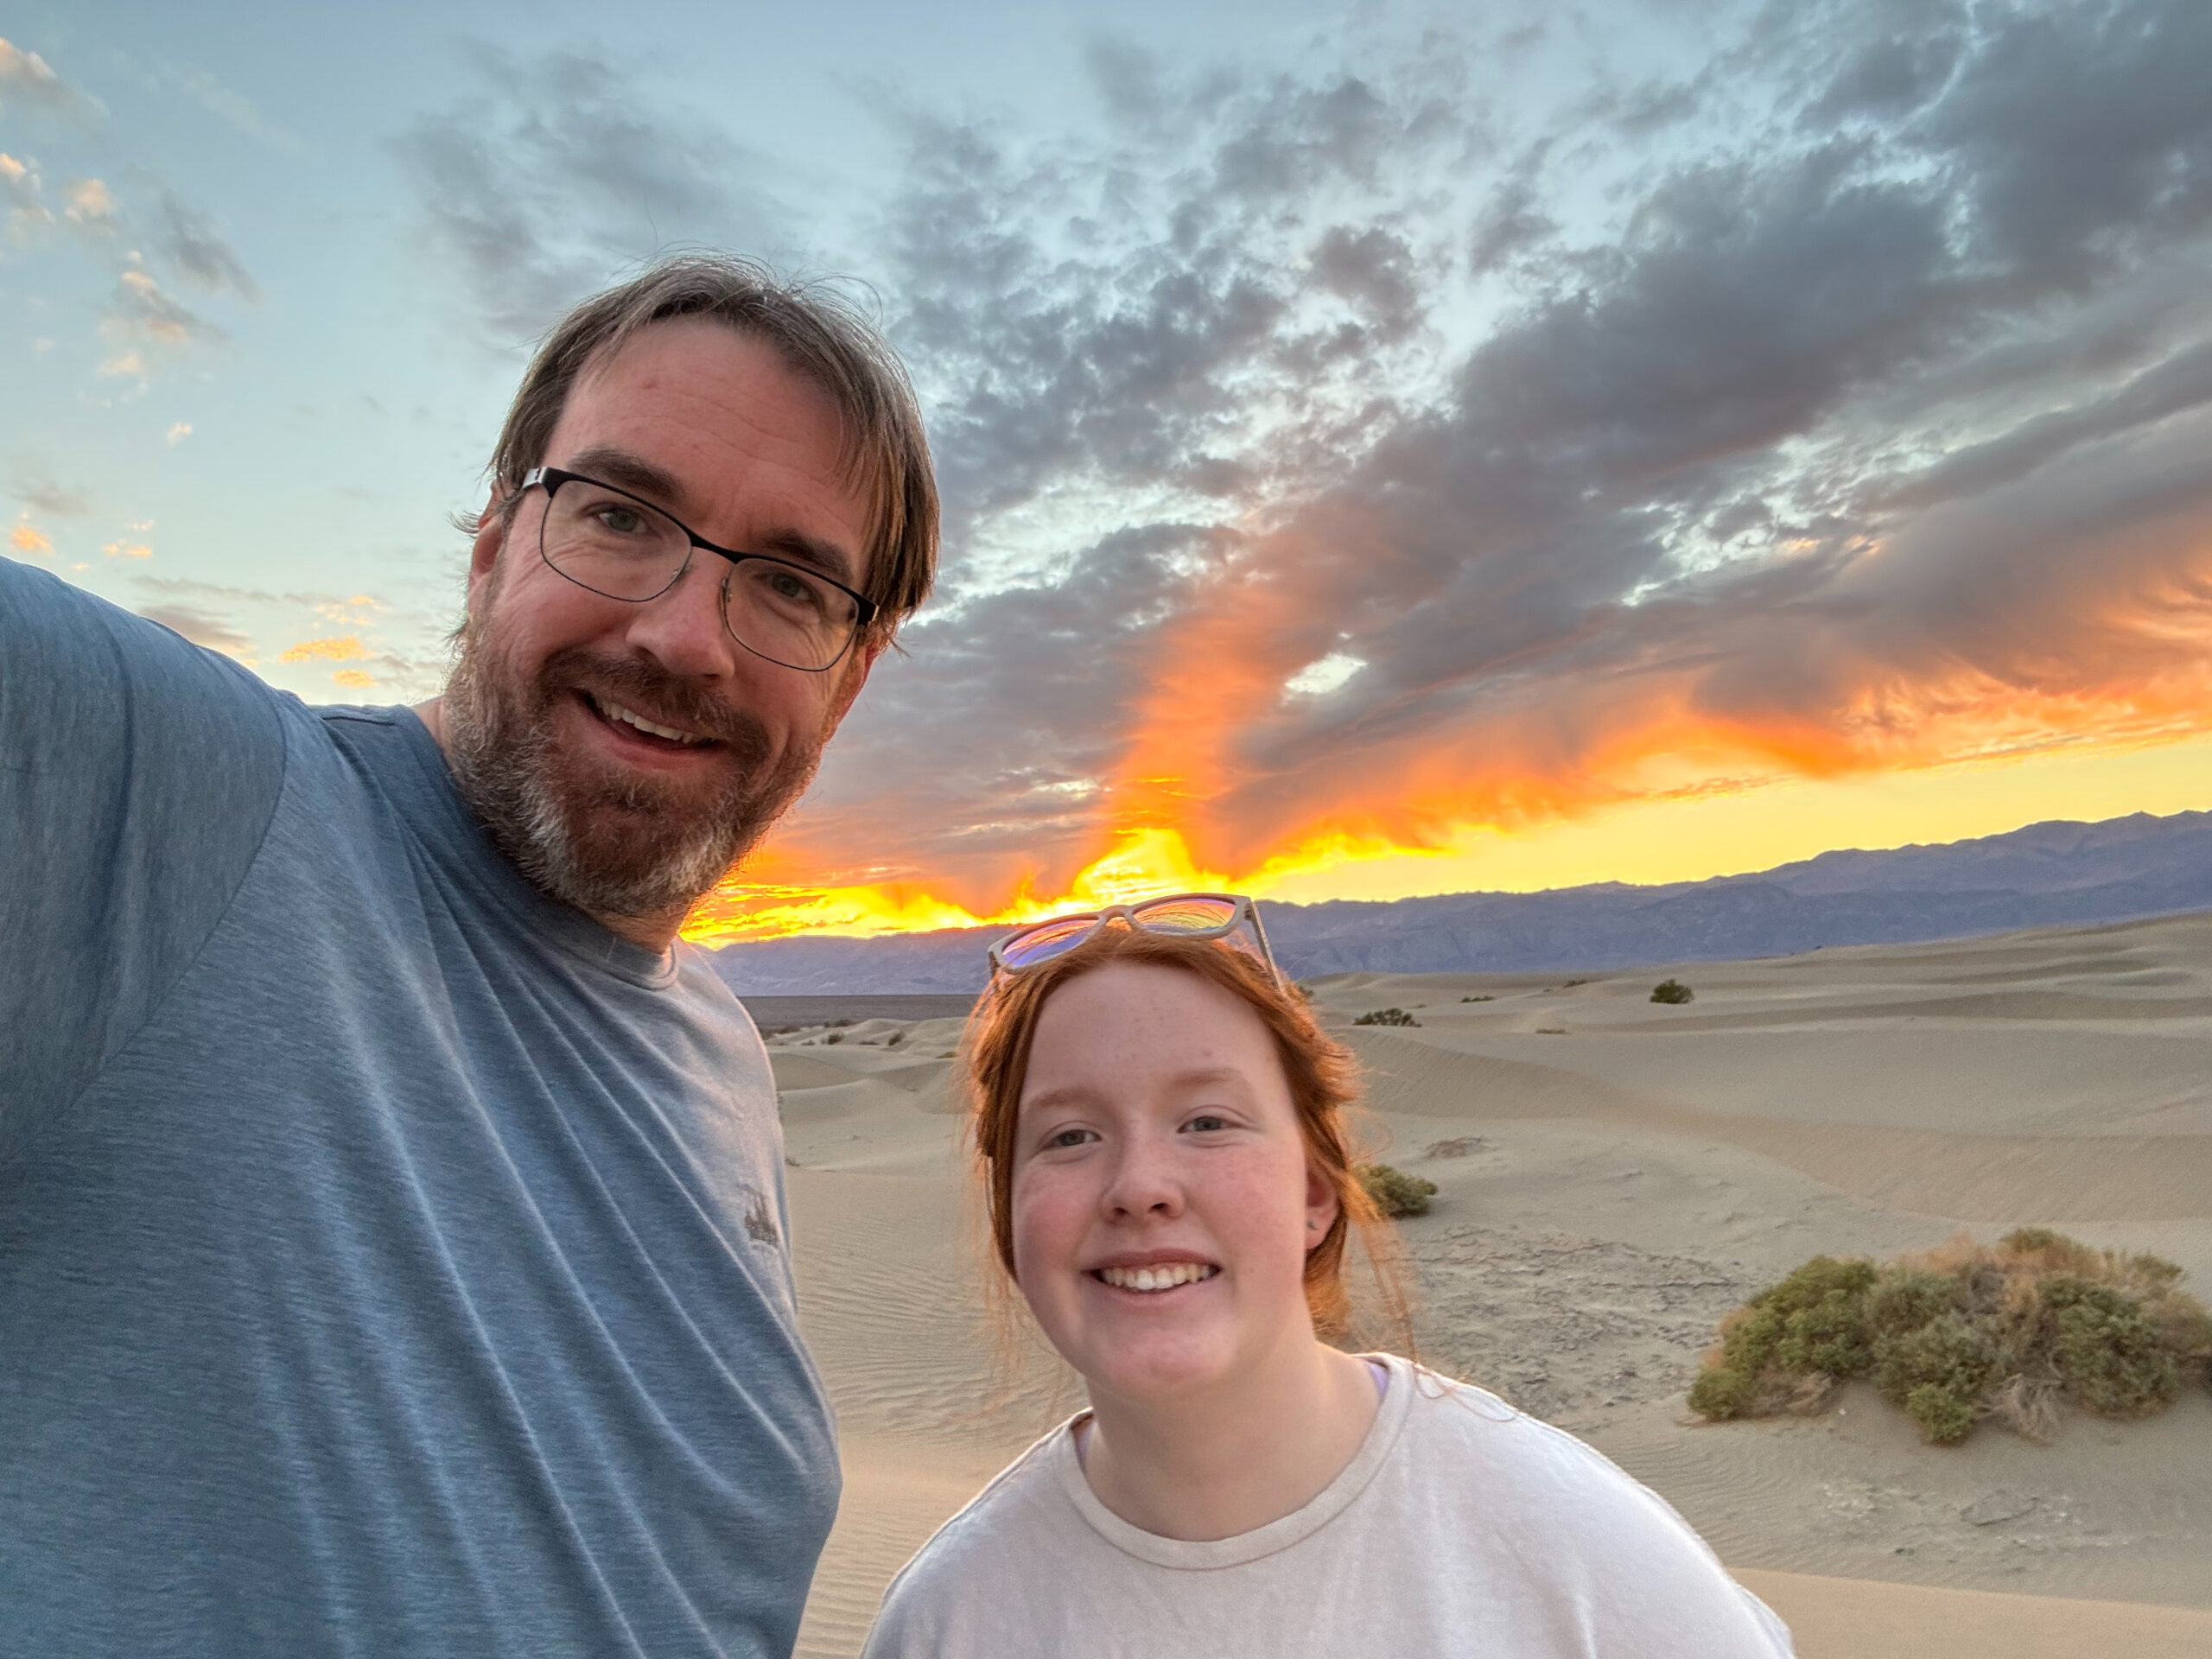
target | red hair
[{"x": 1322, "y": 1073}]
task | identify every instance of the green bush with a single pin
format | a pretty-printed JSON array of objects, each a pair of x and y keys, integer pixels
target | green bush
[
  {"x": 1965, "y": 1332},
  {"x": 1478, "y": 999},
  {"x": 1386, "y": 1017},
  {"x": 1944, "y": 1416},
  {"x": 1672, "y": 990},
  {"x": 2108, "y": 1352},
  {"x": 1723, "y": 1391},
  {"x": 1949, "y": 1352},
  {"x": 1395, "y": 1192}
]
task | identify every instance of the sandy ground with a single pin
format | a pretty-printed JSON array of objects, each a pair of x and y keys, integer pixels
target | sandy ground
[{"x": 1615, "y": 1175}]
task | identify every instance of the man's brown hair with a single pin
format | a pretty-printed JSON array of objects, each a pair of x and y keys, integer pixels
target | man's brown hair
[{"x": 820, "y": 337}]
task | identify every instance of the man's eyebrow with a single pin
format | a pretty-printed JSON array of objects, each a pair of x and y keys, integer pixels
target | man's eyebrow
[
  {"x": 802, "y": 549},
  {"x": 626, "y": 471}
]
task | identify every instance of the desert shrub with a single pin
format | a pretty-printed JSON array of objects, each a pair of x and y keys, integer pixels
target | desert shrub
[
  {"x": 835, "y": 1037},
  {"x": 1672, "y": 990},
  {"x": 1966, "y": 1332},
  {"x": 1810, "y": 1326},
  {"x": 1949, "y": 1352},
  {"x": 1904, "y": 1298},
  {"x": 1385, "y": 1017},
  {"x": 1478, "y": 999},
  {"x": 1397, "y": 1194},
  {"x": 1722, "y": 1391},
  {"x": 1944, "y": 1415},
  {"x": 2107, "y": 1349},
  {"x": 894, "y": 1040}
]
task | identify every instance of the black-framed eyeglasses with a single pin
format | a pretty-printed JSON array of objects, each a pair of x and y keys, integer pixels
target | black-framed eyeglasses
[{"x": 621, "y": 546}]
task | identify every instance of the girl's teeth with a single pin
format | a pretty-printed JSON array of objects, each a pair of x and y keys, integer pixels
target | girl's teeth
[{"x": 1183, "y": 1273}]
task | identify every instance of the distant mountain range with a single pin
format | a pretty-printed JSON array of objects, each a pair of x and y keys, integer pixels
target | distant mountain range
[{"x": 2044, "y": 875}]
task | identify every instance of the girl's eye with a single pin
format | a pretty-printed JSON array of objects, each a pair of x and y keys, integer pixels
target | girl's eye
[
  {"x": 1207, "y": 1122},
  {"x": 1070, "y": 1138}
]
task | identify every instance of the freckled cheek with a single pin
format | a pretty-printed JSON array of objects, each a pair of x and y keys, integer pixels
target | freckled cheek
[
  {"x": 1048, "y": 1220},
  {"x": 1260, "y": 1213}
]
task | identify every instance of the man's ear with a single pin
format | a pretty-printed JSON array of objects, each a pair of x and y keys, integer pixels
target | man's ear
[
  {"x": 855, "y": 676},
  {"x": 492, "y": 528}
]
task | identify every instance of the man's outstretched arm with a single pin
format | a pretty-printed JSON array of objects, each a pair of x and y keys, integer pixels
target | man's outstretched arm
[{"x": 137, "y": 773}]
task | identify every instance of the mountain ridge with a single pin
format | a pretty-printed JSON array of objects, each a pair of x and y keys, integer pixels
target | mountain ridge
[{"x": 2056, "y": 873}]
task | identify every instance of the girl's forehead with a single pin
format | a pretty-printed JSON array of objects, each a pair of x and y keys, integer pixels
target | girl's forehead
[
  {"x": 1132, "y": 1032},
  {"x": 1143, "y": 1006}
]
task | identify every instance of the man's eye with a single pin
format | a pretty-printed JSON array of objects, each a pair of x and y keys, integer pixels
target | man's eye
[
  {"x": 794, "y": 590},
  {"x": 623, "y": 521}
]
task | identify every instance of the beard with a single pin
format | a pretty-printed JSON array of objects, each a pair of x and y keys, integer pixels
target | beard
[{"x": 609, "y": 842}]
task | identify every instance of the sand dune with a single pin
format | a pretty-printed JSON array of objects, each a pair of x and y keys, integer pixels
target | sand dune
[{"x": 1614, "y": 1175}]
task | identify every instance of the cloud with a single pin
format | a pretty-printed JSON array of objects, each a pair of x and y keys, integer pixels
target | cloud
[
  {"x": 343, "y": 649},
  {"x": 88, "y": 203},
  {"x": 38, "y": 489},
  {"x": 354, "y": 679},
  {"x": 142, "y": 314},
  {"x": 199, "y": 251},
  {"x": 123, "y": 547},
  {"x": 27, "y": 538},
  {"x": 203, "y": 628},
  {"x": 108, "y": 214},
  {"x": 234, "y": 108},
  {"x": 178, "y": 433},
  {"x": 19, "y": 186},
  {"x": 561, "y": 172},
  {"x": 27, "y": 79},
  {"x": 1865, "y": 425}
]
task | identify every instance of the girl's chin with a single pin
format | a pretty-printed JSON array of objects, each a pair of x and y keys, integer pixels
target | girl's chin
[{"x": 1140, "y": 1378}]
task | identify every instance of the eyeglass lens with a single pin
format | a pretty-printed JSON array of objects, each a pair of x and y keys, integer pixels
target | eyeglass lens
[
  {"x": 603, "y": 540},
  {"x": 1049, "y": 940},
  {"x": 1184, "y": 915}
]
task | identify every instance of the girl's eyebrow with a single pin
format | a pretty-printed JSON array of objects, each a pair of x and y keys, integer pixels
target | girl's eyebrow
[{"x": 1078, "y": 1094}]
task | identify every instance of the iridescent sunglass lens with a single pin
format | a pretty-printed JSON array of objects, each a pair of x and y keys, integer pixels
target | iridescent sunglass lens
[
  {"x": 1184, "y": 915},
  {"x": 1049, "y": 940}
]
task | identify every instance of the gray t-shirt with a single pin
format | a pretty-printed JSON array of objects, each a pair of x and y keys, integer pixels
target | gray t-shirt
[
  {"x": 393, "y": 1259},
  {"x": 1460, "y": 1530}
]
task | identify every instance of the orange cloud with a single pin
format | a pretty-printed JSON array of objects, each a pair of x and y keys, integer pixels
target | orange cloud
[
  {"x": 346, "y": 648},
  {"x": 122, "y": 548},
  {"x": 27, "y": 538},
  {"x": 353, "y": 678}
]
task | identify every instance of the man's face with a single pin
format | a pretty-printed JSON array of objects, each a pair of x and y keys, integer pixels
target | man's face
[{"x": 712, "y": 426}]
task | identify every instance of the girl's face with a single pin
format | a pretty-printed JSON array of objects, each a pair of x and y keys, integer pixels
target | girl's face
[{"x": 1162, "y": 1201}]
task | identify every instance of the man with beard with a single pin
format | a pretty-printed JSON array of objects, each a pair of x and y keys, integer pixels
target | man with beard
[{"x": 392, "y": 1235}]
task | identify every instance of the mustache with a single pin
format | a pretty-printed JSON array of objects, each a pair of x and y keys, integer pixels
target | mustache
[{"x": 658, "y": 695}]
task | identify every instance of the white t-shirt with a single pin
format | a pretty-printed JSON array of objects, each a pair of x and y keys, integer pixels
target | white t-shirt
[{"x": 1461, "y": 1526}]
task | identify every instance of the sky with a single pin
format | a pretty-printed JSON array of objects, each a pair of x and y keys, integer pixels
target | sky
[{"x": 1386, "y": 449}]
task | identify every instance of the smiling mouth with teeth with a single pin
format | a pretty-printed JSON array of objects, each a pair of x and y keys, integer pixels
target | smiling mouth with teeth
[
  {"x": 1160, "y": 1278},
  {"x": 614, "y": 712}
]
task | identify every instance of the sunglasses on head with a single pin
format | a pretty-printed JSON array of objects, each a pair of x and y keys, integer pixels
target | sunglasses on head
[{"x": 1182, "y": 915}]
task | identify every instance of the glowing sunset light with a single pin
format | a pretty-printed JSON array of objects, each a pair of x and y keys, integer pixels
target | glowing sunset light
[{"x": 1377, "y": 458}]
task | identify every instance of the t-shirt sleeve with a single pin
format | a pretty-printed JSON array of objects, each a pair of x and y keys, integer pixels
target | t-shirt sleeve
[{"x": 137, "y": 775}]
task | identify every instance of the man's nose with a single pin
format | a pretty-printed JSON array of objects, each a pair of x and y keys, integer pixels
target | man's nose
[{"x": 683, "y": 628}]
